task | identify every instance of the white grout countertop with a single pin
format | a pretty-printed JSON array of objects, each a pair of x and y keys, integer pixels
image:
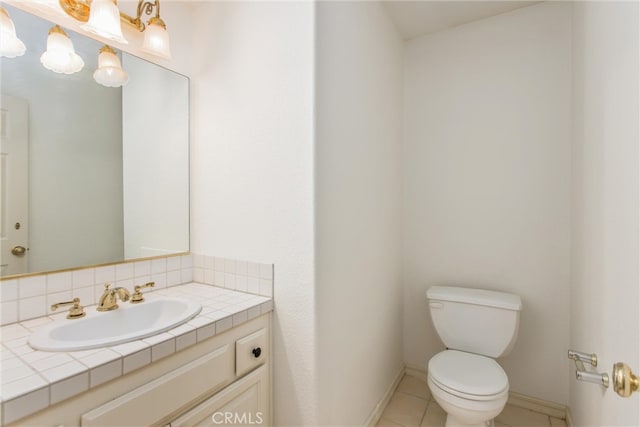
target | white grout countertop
[{"x": 33, "y": 380}]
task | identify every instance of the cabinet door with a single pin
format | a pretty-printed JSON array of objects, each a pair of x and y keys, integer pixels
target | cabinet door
[
  {"x": 165, "y": 395},
  {"x": 244, "y": 403}
]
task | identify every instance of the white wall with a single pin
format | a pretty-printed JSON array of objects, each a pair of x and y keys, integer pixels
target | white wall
[
  {"x": 252, "y": 168},
  {"x": 358, "y": 146},
  {"x": 605, "y": 280},
  {"x": 487, "y": 181}
]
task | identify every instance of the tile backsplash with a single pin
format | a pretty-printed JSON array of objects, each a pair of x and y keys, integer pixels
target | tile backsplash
[
  {"x": 32, "y": 296},
  {"x": 241, "y": 276}
]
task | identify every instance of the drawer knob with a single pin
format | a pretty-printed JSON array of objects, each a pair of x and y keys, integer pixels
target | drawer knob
[{"x": 257, "y": 351}]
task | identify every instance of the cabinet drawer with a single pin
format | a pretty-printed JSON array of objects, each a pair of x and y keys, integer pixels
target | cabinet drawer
[
  {"x": 161, "y": 397},
  {"x": 251, "y": 351}
]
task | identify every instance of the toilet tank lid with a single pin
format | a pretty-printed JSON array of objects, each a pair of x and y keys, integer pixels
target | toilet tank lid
[{"x": 475, "y": 296}]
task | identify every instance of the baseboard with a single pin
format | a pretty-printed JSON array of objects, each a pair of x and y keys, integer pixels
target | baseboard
[
  {"x": 416, "y": 371},
  {"x": 538, "y": 405},
  {"x": 568, "y": 420},
  {"x": 373, "y": 419}
]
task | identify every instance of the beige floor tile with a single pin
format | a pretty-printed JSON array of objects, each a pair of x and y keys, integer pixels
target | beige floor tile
[
  {"x": 414, "y": 386},
  {"x": 514, "y": 416},
  {"x": 435, "y": 416},
  {"x": 556, "y": 422},
  {"x": 405, "y": 409},
  {"x": 387, "y": 423}
]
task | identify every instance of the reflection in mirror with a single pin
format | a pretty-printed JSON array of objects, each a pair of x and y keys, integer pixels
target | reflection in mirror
[{"x": 104, "y": 174}]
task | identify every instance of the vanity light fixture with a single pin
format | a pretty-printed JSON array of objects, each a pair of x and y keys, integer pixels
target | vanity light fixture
[
  {"x": 101, "y": 17},
  {"x": 60, "y": 56},
  {"x": 110, "y": 72},
  {"x": 10, "y": 45}
]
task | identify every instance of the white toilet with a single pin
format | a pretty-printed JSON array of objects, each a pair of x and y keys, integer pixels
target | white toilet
[{"x": 476, "y": 326}]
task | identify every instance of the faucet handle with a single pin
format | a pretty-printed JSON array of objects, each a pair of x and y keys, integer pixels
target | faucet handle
[
  {"x": 137, "y": 294},
  {"x": 75, "y": 312}
]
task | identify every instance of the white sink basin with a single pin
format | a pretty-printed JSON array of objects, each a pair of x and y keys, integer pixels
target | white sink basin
[{"x": 127, "y": 323}]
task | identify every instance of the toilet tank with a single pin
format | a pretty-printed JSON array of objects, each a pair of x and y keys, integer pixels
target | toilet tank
[{"x": 475, "y": 320}]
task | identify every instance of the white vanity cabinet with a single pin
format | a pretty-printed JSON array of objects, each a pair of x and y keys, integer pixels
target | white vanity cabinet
[{"x": 224, "y": 380}]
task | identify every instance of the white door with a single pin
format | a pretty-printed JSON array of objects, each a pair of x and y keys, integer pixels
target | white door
[
  {"x": 14, "y": 185},
  {"x": 605, "y": 313}
]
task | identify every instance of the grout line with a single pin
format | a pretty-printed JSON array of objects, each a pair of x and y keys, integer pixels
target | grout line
[
  {"x": 424, "y": 414},
  {"x": 411, "y": 394}
]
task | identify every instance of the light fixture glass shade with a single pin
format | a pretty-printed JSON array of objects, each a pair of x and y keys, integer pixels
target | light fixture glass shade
[
  {"x": 60, "y": 56},
  {"x": 10, "y": 45},
  {"x": 104, "y": 20},
  {"x": 156, "y": 39},
  {"x": 110, "y": 72}
]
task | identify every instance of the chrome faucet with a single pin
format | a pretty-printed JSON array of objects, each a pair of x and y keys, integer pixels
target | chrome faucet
[{"x": 108, "y": 300}]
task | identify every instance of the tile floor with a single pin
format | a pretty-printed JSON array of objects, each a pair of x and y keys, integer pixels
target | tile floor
[{"x": 412, "y": 406}]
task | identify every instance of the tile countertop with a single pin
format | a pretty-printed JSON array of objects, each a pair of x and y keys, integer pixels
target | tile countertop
[{"x": 38, "y": 379}]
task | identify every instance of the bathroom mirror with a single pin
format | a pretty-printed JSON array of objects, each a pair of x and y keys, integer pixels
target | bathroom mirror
[{"x": 107, "y": 169}]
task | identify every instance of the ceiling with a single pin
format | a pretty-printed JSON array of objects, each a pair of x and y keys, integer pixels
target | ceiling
[
  {"x": 416, "y": 18},
  {"x": 412, "y": 18}
]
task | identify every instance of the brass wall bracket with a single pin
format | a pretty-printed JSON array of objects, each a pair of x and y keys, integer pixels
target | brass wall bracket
[
  {"x": 77, "y": 9},
  {"x": 80, "y": 10}
]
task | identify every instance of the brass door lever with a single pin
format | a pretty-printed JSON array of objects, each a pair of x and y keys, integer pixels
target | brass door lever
[{"x": 625, "y": 382}]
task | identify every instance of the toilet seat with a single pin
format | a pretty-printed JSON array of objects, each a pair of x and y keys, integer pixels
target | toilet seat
[{"x": 469, "y": 376}]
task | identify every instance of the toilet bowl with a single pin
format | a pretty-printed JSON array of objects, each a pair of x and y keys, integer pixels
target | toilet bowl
[
  {"x": 476, "y": 326},
  {"x": 471, "y": 389}
]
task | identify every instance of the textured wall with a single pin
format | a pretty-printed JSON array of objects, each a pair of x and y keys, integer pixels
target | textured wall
[
  {"x": 358, "y": 198},
  {"x": 487, "y": 181}
]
